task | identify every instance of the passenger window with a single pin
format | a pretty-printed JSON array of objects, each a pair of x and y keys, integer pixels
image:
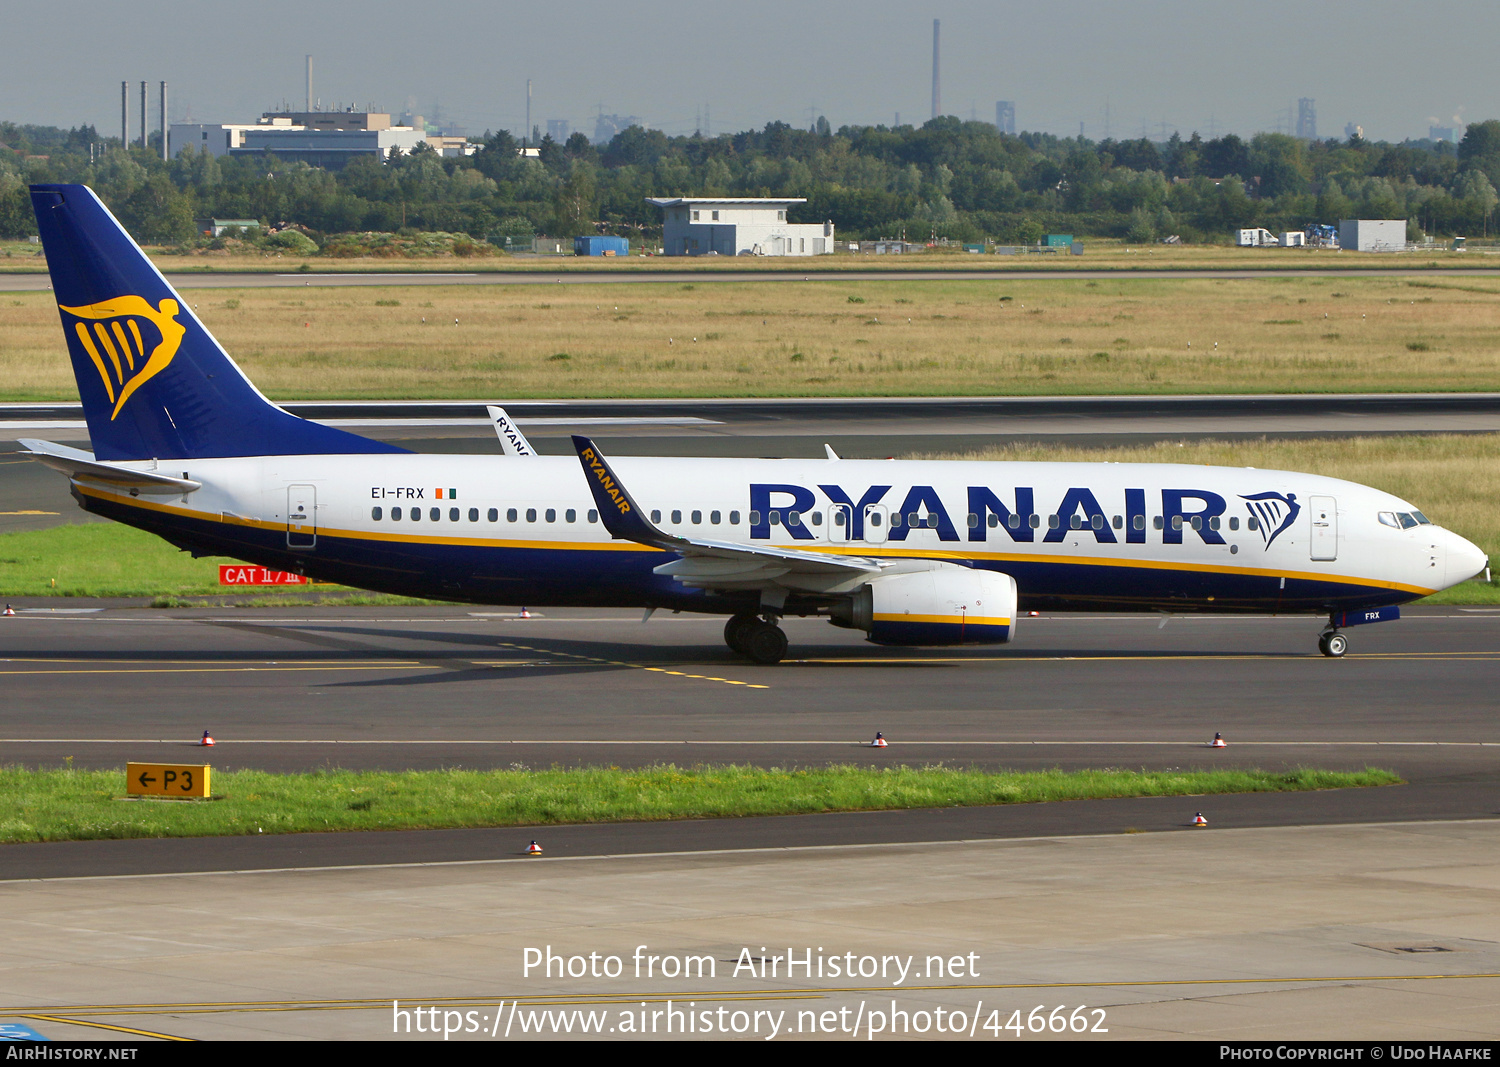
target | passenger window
[
  {"x": 973, "y": 521},
  {"x": 817, "y": 518},
  {"x": 995, "y": 521},
  {"x": 1034, "y": 520},
  {"x": 473, "y": 514},
  {"x": 416, "y": 514},
  {"x": 551, "y": 514},
  {"x": 838, "y": 517},
  {"x": 435, "y": 514},
  {"x": 775, "y": 518},
  {"x": 1014, "y": 521},
  {"x": 571, "y": 515},
  {"x": 754, "y": 517},
  {"x": 1234, "y": 522},
  {"x": 874, "y": 518},
  {"x": 593, "y": 515},
  {"x": 697, "y": 518},
  {"x": 734, "y": 518},
  {"x": 1156, "y": 522},
  {"x": 395, "y": 514},
  {"x": 1119, "y": 522},
  {"x": 713, "y": 517},
  {"x": 1097, "y": 522},
  {"x": 655, "y": 515},
  {"x": 1213, "y": 523},
  {"x": 494, "y": 515},
  {"x": 1252, "y": 523},
  {"x": 1197, "y": 522},
  {"x": 1176, "y": 522},
  {"x": 914, "y": 519},
  {"x": 1075, "y": 522},
  {"x": 895, "y": 520},
  {"x": 531, "y": 514},
  {"x": 1139, "y": 522},
  {"x": 375, "y": 514},
  {"x": 794, "y": 518},
  {"x": 1053, "y": 522},
  {"x": 453, "y": 514},
  {"x": 932, "y": 522},
  {"x": 510, "y": 514},
  {"x": 676, "y": 517}
]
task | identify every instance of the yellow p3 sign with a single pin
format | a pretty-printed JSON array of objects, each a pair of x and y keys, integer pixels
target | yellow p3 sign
[{"x": 167, "y": 779}]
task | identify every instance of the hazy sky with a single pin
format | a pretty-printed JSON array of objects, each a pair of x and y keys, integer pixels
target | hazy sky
[{"x": 1204, "y": 65}]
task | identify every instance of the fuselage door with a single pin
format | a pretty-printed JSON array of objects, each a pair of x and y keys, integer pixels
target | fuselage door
[
  {"x": 1324, "y": 543},
  {"x": 301, "y": 516},
  {"x": 877, "y": 519},
  {"x": 840, "y": 522}
]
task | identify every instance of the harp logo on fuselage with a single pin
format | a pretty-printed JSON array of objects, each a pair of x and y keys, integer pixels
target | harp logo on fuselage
[{"x": 128, "y": 341}]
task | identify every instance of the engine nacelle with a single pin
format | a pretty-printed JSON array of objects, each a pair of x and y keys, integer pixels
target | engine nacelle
[{"x": 948, "y": 605}]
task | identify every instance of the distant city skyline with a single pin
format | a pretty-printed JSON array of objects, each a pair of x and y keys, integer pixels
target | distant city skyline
[{"x": 1147, "y": 68}]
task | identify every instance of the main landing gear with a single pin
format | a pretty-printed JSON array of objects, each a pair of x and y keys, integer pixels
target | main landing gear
[
  {"x": 760, "y": 639},
  {"x": 1332, "y": 643}
]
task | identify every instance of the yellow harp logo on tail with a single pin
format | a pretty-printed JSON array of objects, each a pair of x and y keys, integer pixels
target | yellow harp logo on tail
[{"x": 126, "y": 356}]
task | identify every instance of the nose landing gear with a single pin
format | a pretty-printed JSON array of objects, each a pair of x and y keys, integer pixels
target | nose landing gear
[
  {"x": 1332, "y": 643},
  {"x": 757, "y": 638}
]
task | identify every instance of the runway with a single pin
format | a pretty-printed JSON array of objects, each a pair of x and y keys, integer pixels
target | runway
[
  {"x": 228, "y": 279},
  {"x": 291, "y": 690}
]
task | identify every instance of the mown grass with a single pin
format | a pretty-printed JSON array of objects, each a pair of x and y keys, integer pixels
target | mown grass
[
  {"x": 927, "y": 338},
  {"x": 1454, "y": 479},
  {"x": 68, "y": 805}
]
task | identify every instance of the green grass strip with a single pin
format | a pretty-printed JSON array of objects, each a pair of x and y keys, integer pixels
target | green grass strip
[{"x": 69, "y": 805}]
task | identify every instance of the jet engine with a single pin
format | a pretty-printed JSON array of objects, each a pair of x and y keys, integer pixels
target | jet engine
[{"x": 948, "y": 605}]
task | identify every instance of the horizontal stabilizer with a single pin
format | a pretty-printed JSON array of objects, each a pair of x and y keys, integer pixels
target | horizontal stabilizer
[{"x": 77, "y": 463}]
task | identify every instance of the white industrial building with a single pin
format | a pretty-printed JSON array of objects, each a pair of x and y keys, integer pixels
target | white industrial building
[
  {"x": 322, "y": 138},
  {"x": 1372, "y": 235},
  {"x": 738, "y": 226}
]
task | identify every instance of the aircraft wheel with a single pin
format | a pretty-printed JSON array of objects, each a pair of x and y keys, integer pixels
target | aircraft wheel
[
  {"x": 1333, "y": 645},
  {"x": 764, "y": 642},
  {"x": 734, "y": 631}
]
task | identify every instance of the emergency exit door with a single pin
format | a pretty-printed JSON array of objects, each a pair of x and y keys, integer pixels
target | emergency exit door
[
  {"x": 301, "y": 516},
  {"x": 1324, "y": 542}
]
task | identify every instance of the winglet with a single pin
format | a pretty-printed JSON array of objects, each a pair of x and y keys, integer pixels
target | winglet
[
  {"x": 618, "y": 511},
  {"x": 512, "y": 441}
]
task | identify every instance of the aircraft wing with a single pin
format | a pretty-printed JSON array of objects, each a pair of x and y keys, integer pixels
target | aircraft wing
[
  {"x": 625, "y": 520},
  {"x": 512, "y": 441},
  {"x": 77, "y": 463}
]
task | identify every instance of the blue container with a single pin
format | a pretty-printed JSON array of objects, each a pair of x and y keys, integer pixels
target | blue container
[{"x": 601, "y": 246}]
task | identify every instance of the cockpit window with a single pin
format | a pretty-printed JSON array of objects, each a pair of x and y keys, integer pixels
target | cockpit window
[
  {"x": 1388, "y": 518},
  {"x": 1422, "y": 520},
  {"x": 1407, "y": 520}
]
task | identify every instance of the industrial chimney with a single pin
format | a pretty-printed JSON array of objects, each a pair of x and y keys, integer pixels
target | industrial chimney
[
  {"x": 937, "y": 83},
  {"x": 143, "y": 114},
  {"x": 164, "y": 122},
  {"x": 125, "y": 116},
  {"x": 308, "y": 106}
]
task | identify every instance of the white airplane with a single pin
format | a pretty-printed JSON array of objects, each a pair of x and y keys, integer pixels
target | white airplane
[{"x": 912, "y": 553}]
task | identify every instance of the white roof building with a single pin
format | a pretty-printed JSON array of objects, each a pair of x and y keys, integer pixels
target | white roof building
[{"x": 738, "y": 226}]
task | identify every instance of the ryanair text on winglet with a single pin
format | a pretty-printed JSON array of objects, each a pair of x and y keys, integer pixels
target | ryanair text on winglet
[{"x": 605, "y": 481}]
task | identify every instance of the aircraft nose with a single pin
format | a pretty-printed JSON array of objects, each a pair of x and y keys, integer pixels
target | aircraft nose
[{"x": 1465, "y": 559}]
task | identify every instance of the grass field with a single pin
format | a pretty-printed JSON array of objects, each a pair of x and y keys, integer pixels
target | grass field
[
  {"x": 1453, "y": 478},
  {"x": 826, "y": 338},
  {"x": 68, "y": 805}
]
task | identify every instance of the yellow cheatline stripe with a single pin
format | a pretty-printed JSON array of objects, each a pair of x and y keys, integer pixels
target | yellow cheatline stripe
[
  {"x": 914, "y": 553},
  {"x": 805, "y": 992},
  {"x": 955, "y": 620},
  {"x": 635, "y": 666},
  {"x": 107, "y": 1026}
]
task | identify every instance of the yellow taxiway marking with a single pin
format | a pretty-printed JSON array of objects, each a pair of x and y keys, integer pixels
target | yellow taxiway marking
[
  {"x": 30, "y": 512},
  {"x": 200, "y": 667},
  {"x": 793, "y": 993},
  {"x": 107, "y": 1026},
  {"x": 634, "y": 666}
]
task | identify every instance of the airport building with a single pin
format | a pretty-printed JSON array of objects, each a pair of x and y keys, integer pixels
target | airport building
[
  {"x": 322, "y": 138},
  {"x": 1372, "y": 235},
  {"x": 738, "y": 226}
]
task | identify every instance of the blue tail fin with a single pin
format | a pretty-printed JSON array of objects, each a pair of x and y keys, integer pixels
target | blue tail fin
[{"x": 154, "y": 382}]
